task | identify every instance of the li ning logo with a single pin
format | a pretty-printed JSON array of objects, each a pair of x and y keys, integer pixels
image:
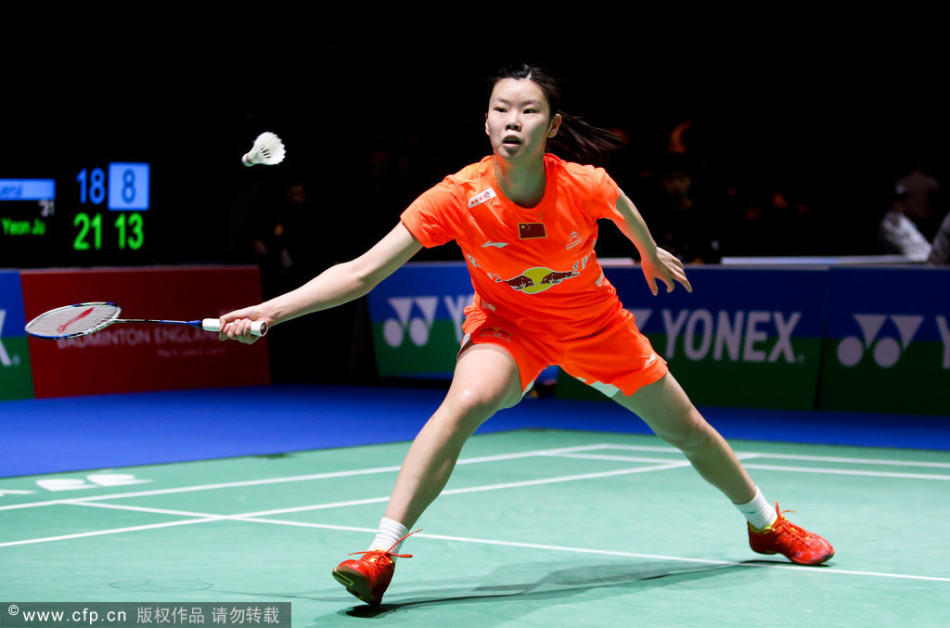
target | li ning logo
[{"x": 885, "y": 348}]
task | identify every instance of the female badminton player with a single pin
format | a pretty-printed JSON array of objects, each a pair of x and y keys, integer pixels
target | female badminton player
[{"x": 526, "y": 222}]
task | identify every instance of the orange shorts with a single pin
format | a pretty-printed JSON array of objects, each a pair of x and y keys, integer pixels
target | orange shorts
[{"x": 616, "y": 359}]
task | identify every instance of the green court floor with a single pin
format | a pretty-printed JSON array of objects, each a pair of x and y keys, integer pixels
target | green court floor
[{"x": 536, "y": 528}]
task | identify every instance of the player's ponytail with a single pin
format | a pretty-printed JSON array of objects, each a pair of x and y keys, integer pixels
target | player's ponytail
[
  {"x": 577, "y": 139},
  {"x": 581, "y": 141}
]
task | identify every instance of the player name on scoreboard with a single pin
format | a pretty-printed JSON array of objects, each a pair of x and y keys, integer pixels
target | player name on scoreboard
[{"x": 26, "y": 206}]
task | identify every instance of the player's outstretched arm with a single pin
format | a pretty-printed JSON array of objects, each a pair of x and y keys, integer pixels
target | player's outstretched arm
[
  {"x": 655, "y": 262},
  {"x": 338, "y": 284}
]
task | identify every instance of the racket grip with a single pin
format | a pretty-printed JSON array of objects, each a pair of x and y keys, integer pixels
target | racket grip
[{"x": 258, "y": 328}]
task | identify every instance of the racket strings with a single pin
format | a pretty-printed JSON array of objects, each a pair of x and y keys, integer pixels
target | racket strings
[{"x": 73, "y": 321}]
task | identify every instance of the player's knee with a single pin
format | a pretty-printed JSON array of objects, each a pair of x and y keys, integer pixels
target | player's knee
[
  {"x": 690, "y": 433},
  {"x": 476, "y": 403}
]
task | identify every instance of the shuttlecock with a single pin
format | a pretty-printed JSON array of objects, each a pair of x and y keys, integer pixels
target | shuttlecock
[{"x": 268, "y": 150}]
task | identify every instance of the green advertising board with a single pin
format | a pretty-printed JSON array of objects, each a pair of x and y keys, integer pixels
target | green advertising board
[
  {"x": 887, "y": 341},
  {"x": 16, "y": 380},
  {"x": 863, "y": 339},
  {"x": 743, "y": 337},
  {"x": 416, "y": 317}
]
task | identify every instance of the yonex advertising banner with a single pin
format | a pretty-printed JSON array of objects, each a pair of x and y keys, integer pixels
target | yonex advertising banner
[
  {"x": 743, "y": 337},
  {"x": 871, "y": 339},
  {"x": 135, "y": 357},
  {"x": 887, "y": 341},
  {"x": 416, "y": 316},
  {"x": 15, "y": 375}
]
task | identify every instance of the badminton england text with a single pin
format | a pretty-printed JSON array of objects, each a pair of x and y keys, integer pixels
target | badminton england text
[
  {"x": 122, "y": 615},
  {"x": 133, "y": 337}
]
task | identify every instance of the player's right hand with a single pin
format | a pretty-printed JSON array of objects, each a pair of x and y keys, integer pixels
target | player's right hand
[{"x": 236, "y": 325}]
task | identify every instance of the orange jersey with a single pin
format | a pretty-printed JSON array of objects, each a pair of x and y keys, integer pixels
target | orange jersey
[{"x": 533, "y": 267}]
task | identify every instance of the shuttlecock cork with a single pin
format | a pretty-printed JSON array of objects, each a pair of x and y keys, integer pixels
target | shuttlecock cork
[{"x": 268, "y": 150}]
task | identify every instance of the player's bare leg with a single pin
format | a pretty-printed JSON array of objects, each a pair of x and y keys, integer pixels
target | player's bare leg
[
  {"x": 485, "y": 381},
  {"x": 668, "y": 411},
  {"x": 665, "y": 407}
]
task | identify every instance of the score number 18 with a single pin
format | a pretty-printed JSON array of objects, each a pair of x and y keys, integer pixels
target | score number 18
[{"x": 125, "y": 190}]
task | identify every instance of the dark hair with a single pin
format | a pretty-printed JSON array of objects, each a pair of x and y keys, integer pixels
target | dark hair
[{"x": 577, "y": 139}]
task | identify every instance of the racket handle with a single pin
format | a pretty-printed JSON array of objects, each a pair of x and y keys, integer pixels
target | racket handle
[{"x": 258, "y": 328}]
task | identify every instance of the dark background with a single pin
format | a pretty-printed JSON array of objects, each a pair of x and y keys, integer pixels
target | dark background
[
  {"x": 828, "y": 114},
  {"x": 829, "y": 111}
]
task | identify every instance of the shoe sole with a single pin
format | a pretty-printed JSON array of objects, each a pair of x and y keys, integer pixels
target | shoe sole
[
  {"x": 821, "y": 560},
  {"x": 355, "y": 585}
]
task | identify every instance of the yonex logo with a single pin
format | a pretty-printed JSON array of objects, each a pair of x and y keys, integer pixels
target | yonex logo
[
  {"x": 415, "y": 317},
  {"x": 746, "y": 336},
  {"x": 4, "y": 356},
  {"x": 394, "y": 330},
  {"x": 884, "y": 347}
]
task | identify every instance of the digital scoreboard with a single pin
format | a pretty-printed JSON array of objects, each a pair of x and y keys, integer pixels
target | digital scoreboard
[{"x": 94, "y": 215}]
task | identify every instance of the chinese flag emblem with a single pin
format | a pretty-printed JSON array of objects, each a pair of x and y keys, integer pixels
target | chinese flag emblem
[{"x": 531, "y": 230}]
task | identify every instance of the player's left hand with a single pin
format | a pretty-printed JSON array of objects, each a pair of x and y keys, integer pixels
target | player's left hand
[{"x": 666, "y": 267}]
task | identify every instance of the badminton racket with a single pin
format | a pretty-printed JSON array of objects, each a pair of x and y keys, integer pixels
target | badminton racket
[{"x": 87, "y": 318}]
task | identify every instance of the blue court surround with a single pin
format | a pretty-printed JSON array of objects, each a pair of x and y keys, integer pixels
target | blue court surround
[{"x": 40, "y": 436}]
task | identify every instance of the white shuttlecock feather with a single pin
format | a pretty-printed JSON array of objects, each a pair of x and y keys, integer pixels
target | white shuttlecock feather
[{"x": 268, "y": 150}]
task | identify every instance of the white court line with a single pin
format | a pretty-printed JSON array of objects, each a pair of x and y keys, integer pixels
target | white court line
[
  {"x": 561, "y": 451},
  {"x": 205, "y": 487},
  {"x": 82, "y": 535},
  {"x": 255, "y": 518},
  {"x": 383, "y": 499},
  {"x": 875, "y": 474},
  {"x": 801, "y": 457},
  {"x": 767, "y": 467},
  {"x": 282, "y": 480},
  {"x": 800, "y": 568},
  {"x": 258, "y": 517},
  {"x": 375, "y": 500},
  {"x": 873, "y": 461},
  {"x": 85, "y": 501},
  {"x": 615, "y": 458}
]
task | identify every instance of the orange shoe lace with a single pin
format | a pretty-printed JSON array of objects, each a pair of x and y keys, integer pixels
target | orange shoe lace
[
  {"x": 788, "y": 528},
  {"x": 389, "y": 553}
]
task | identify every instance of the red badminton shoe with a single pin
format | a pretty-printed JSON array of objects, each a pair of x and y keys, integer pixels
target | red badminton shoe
[
  {"x": 792, "y": 541},
  {"x": 369, "y": 576}
]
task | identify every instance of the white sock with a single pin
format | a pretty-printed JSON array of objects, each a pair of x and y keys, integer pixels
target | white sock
[
  {"x": 388, "y": 534},
  {"x": 759, "y": 512}
]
